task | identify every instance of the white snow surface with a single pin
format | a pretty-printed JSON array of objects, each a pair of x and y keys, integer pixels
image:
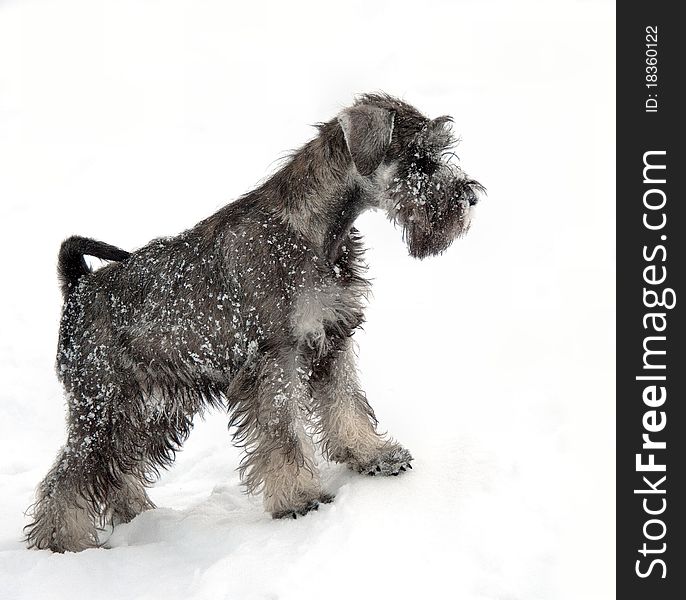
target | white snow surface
[{"x": 493, "y": 364}]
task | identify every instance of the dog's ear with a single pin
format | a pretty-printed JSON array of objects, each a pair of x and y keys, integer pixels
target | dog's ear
[{"x": 367, "y": 130}]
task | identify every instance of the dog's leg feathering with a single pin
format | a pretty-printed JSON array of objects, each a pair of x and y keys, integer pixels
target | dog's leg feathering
[
  {"x": 280, "y": 454},
  {"x": 347, "y": 424}
]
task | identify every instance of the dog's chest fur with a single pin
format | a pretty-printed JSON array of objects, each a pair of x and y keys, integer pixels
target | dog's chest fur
[{"x": 324, "y": 313}]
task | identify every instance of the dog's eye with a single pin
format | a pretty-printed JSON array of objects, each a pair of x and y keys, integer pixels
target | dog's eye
[{"x": 425, "y": 163}]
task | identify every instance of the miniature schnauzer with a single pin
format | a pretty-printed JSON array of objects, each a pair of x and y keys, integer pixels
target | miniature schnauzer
[{"x": 253, "y": 309}]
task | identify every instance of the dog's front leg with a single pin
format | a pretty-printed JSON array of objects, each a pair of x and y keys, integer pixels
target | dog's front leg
[
  {"x": 346, "y": 420},
  {"x": 280, "y": 453}
]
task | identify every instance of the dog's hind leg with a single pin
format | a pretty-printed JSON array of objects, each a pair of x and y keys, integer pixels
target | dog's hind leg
[
  {"x": 64, "y": 514},
  {"x": 80, "y": 492},
  {"x": 96, "y": 475},
  {"x": 155, "y": 425},
  {"x": 69, "y": 501},
  {"x": 129, "y": 500},
  {"x": 346, "y": 421},
  {"x": 270, "y": 416}
]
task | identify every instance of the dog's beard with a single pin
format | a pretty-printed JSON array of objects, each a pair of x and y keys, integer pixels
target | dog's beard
[{"x": 433, "y": 210}]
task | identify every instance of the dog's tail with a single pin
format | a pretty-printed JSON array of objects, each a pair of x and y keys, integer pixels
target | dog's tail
[{"x": 71, "y": 264}]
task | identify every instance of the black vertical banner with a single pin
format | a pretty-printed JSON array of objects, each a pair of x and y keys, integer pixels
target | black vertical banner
[{"x": 651, "y": 261}]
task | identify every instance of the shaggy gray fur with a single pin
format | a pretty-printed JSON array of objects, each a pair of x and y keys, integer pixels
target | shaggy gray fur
[{"x": 252, "y": 309}]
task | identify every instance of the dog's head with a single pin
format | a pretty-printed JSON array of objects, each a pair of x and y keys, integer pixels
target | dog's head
[{"x": 406, "y": 159}]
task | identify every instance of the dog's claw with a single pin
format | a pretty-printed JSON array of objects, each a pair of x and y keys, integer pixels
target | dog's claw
[
  {"x": 391, "y": 461},
  {"x": 302, "y": 511}
]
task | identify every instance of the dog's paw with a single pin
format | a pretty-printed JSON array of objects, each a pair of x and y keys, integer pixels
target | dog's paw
[
  {"x": 294, "y": 513},
  {"x": 392, "y": 460}
]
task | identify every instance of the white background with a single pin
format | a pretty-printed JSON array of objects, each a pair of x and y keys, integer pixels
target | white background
[{"x": 493, "y": 363}]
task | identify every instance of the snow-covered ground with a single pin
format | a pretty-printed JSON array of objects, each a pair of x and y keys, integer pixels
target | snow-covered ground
[{"x": 494, "y": 363}]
